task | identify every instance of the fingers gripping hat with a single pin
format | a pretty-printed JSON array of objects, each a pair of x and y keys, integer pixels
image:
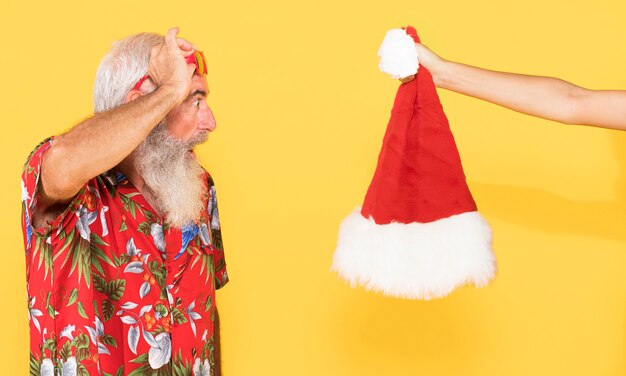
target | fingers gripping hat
[{"x": 418, "y": 234}]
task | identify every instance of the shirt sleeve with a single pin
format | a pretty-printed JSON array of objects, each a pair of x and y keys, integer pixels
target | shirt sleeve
[
  {"x": 60, "y": 292},
  {"x": 221, "y": 275},
  {"x": 31, "y": 174}
]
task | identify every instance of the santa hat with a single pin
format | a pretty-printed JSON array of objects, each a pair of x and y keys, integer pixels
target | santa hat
[{"x": 419, "y": 234}]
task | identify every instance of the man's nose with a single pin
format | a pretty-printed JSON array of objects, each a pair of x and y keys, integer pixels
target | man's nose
[{"x": 208, "y": 121}]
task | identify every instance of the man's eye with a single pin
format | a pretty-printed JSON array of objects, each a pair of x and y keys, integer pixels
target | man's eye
[{"x": 196, "y": 103}]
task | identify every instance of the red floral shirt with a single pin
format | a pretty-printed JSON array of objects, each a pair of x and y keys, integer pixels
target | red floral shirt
[{"x": 112, "y": 290}]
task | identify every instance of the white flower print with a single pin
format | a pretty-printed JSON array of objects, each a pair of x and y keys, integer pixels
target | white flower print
[
  {"x": 160, "y": 349},
  {"x": 33, "y": 313},
  {"x": 46, "y": 368},
  {"x": 25, "y": 195},
  {"x": 170, "y": 298},
  {"x": 131, "y": 250},
  {"x": 133, "y": 338},
  {"x": 201, "y": 369},
  {"x": 135, "y": 267},
  {"x": 215, "y": 218},
  {"x": 204, "y": 234},
  {"x": 85, "y": 219},
  {"x": 129, "y": 305},
  {"x": 69, "y": 367},
  {"x": 144, "y": 309},
  {"x": 105, "y": 227},
  {"x": 144, "y": 289},
  {"x": 192, "y": 317},
  {"x": 95, "y": 334},
  {"x": 156, "y": 230},
  {"x": 67, "y": 332}
]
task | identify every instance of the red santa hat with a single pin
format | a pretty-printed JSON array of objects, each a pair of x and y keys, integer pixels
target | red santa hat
[{"x": 419, "y": 234}]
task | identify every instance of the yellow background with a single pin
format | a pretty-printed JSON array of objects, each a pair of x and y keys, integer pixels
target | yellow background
[{"x": 301, "y": 110}]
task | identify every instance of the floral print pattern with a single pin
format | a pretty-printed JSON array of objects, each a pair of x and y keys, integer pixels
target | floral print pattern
[{"x": 112, "y": 290}]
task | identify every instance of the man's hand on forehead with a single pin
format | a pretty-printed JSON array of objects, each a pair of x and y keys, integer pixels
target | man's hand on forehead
[
  {"x": 184, "y": 45},
  {"x": 167, "y": 65}
]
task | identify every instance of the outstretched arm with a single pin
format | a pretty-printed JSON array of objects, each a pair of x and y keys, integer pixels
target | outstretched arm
[{"x": 545, "y": 97}]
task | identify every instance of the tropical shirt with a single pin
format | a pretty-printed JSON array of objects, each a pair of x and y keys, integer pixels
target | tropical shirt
[{"x": 112, "y": 290}]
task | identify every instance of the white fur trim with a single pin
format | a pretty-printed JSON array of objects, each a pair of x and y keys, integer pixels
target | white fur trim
[
  {"x": 415, "y": 260},
  {"x": 398, "y": 55}
]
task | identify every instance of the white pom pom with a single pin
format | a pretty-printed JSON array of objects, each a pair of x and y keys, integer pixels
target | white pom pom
[{"x": 398, "y": 55}]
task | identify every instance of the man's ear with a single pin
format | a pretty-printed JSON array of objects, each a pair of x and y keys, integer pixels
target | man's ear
[{"x": 132, "y": 95}]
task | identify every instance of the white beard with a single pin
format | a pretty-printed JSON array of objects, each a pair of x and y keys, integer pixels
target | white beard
[{"x": 172, "y": 175}]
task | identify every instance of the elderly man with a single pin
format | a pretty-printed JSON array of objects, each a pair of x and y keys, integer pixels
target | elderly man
[{"x": 121, "y": 228}]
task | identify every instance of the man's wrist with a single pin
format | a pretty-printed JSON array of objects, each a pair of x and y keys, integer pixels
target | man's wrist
[{"x": 174, "y": 92}]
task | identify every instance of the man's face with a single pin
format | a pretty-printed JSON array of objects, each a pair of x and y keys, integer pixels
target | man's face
[{"x": 193, "y": 119}]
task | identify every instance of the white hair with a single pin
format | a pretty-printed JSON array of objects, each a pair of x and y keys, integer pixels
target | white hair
[
  {"x": 120, "y": 69},
  {"x": 174, "y": 177}
]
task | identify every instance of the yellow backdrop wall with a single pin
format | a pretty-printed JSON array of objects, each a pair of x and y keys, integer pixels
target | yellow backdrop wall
[{"x": 301, "y": 110}]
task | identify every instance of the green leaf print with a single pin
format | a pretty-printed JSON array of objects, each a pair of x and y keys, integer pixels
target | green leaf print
[
  {"x": 68, "y": 240},
  {"x": 161, "y": 309},
  {"x": 97, "y": 254},
  {"x": 180, "y": 367},
  {"x": 143, "y": 358},
  {"x": 51, "y": 344},
  {"x": 82, "y": 354},
  {"x": 49, "y": 306},
  {"x": 73, "y": 297},
  {"x": 145, "y": 367},
  {"x": 207, "y": 306},
  {"x": 81, "y": 310},
  {"x": 108, "y": 340},
  {"x": 66, "y": 350},
  {"x": 99, "y": 283},
  {"x": 81, "y": 342},
  {"x": 96, "y": 239},
  {"x": 94, "y": 304},
  {"x": 179, "y": 317},
  {"x": 107, "y": 310},
  {"x": 212, "y": 268},
  {"x": 34, "y": 366},
  {"x": 45, "y": 255},
  {"x": 144, "y": 227},
  {"x": 151, "y": 218},
  {"x": 81, "y": 258},
  {"x": 129, "y": 204},
  {"x": 216, "y": 236},
  {"x": 113, "y": 289},
  {"x": 82, "y": 371},
  {"x": 158, "y": 271},
  {"x": 125, "y": 258}
]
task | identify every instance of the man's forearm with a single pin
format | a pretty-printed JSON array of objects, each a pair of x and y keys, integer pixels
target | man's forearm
[{"x": 101, "y": 142}]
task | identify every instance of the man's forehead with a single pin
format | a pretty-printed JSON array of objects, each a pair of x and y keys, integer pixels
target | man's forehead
[{"x": 199, "y": 83}]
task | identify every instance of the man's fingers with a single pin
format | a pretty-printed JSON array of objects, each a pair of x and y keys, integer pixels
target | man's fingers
[
  {"x": 170, "y": 37},
  {"x": 184, "y": 45}
]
